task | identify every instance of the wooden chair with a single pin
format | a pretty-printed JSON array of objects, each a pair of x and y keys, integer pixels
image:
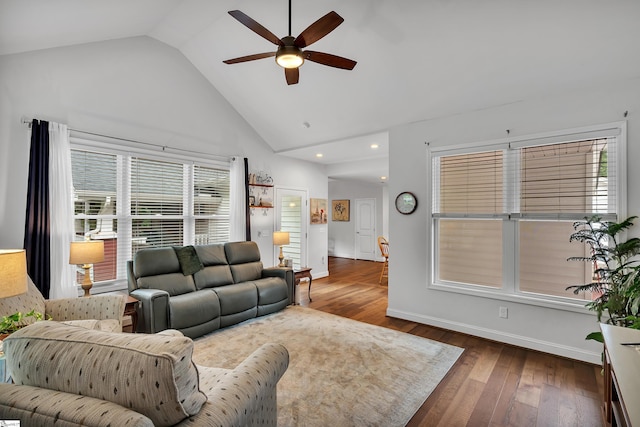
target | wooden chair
[{"x": 383, "y": 244}]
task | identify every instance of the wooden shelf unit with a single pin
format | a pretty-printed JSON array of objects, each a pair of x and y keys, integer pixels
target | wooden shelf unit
[{"x": 621, "y": 376}]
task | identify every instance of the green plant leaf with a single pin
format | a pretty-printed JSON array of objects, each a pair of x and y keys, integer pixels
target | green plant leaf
[{"x": 596, "y": 336}]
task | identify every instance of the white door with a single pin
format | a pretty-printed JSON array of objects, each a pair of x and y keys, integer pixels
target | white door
[
  {"x": 366, "y": 229},
  {"x": 291, "y": 216}
]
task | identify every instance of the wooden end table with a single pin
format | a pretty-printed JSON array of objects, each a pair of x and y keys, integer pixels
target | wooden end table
[
  {"x": 301, "y": 273},
  {"x": 130, "y": 309}
]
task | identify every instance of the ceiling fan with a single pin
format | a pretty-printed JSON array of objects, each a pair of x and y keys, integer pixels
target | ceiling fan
[{"x": 290, "y": 55}]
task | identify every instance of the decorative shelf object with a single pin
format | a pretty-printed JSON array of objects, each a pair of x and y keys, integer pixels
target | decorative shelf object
[{"x": 260, "y": 193}]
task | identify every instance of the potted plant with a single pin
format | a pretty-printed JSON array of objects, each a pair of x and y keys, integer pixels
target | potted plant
[
  {"x": 616, "y": 277},
  {"x": 13, "y": 322}
]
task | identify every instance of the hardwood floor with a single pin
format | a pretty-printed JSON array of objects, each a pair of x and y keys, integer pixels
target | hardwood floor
[{"x": 492, "y": 384}]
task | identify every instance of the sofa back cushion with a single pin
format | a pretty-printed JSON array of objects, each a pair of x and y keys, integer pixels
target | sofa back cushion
[
  {"x": 151, "y": 374},
  {"x": 244, "y": 261},
  {"x": 159, "y": 268},
  {"x": 216, "y": 270}
]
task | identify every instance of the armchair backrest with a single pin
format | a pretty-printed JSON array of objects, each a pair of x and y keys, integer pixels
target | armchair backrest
[{"x": 24, "y": 303}]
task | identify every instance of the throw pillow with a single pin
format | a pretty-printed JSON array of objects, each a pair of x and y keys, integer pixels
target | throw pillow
[{"x": 188, "y": 258}]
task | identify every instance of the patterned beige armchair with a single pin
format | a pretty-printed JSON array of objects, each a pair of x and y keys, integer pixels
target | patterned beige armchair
[
  {"x": 70, "y": 376},
  {"x": 99, "y": 312}
]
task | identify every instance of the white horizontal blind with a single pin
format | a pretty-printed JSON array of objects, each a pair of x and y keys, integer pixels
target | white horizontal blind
[
  {"x": 95, "y": 200},
  {"x": 541, "y": 189},
  {"x": 211, "y": 205},
  {"x": 134, "y": 202},
  {"x": 157, "y": 202}
]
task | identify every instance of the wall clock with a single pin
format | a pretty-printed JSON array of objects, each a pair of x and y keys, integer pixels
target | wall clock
[{"x": 406, "y": 203}]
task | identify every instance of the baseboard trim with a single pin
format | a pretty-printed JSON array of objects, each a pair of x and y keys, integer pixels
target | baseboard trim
[{"x": 507, "y": 338}]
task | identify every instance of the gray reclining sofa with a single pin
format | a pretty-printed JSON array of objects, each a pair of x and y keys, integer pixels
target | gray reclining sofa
[{"x": 228, "y": 285}]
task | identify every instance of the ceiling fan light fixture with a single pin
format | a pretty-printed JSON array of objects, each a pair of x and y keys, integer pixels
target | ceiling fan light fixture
[{"x": 289, "y": 58}]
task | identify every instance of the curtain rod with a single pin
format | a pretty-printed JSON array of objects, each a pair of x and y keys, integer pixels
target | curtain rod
[{"x": 26, "y": 121}]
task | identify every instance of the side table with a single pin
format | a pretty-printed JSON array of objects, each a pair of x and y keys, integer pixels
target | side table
[
  {"x": 301, "y": 273},
  {"x": 130, "y": 309}
]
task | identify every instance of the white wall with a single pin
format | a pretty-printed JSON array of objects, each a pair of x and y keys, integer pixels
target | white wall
[
  {"x": 342, "y": 234},
  {"x": 136, "y": 88},
  {"x": 546, "y": 329}
]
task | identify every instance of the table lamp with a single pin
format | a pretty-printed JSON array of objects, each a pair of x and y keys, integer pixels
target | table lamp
[
  {"x": 86, "y": 253},
  {"x": 281, "y": 238},
  {"x": 13, "y": 272}
]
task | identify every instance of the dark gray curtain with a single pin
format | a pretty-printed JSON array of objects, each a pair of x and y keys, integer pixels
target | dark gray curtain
[
  {"x": 247, "y": 211},
  {"x": 37, "y": 222}
]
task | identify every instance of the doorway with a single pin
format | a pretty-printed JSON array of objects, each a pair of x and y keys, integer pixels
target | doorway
[
  {"x": 291, "y": 216},
  {"x": 366, "y": 229}
]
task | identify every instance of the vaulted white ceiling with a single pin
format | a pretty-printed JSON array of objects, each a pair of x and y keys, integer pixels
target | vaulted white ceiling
[{"x": 417, "y": 59}]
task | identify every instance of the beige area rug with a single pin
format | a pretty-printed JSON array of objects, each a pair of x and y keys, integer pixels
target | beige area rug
[{"x": 341, "y": 372}]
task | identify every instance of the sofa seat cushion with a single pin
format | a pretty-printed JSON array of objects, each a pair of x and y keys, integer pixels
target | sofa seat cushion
[
  {"x": 173, "y": 283},
  {"x": 238, "y": 302},
  {"x": 271, "y": 290},
  {"x": 273, "y": 295},
  {"x": 194, "y": 308},
  {"x": 150, "y": 374}
]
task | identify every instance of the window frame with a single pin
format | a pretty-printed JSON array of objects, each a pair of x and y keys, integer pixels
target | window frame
[
  {"x": 124, "y": 152},
  {"x": 510, "y": 239}
]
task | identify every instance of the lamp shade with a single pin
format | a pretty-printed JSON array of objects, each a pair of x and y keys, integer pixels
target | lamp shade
[
  {"x": 13, "y": 272},
  {"x": 87, "y": 252},
  {"x": 280, "y": 238}
]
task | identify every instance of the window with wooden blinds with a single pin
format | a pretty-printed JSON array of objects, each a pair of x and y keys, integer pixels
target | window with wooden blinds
[{"x": 502, "y": 214}]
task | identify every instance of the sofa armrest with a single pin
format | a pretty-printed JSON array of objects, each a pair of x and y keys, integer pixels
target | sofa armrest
[
  {"x": 286, "y": 274},
  {"x": 99, "y": 307},
  {"x": 153, "y": 310},
  {"x": 246, "y": 395},
  {"x": 36, "y": 406}
]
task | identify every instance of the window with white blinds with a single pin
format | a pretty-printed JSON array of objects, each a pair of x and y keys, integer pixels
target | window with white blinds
[
  {"x": 133, "y": 202},
  {"x": 502, "y": 214}
]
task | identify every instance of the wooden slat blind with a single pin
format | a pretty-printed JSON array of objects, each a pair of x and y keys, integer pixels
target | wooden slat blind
[{"x": 544, "y": 188}]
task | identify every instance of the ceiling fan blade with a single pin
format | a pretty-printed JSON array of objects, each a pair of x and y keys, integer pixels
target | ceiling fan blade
[
  {"x": 255, "y": 27},
  {"x": 292, "y": 75},
  {"x": 318, "y": 29},
  {"x": 329, "y": 59},
  {"x": 249, "y": 57}
]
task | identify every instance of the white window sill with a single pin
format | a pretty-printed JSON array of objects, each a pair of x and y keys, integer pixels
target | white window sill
[{"x": 557, "y": 303}]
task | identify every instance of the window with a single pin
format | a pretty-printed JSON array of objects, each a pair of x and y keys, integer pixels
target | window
[
  {"x": 502, "y": 214},
  {"x": 133, "y": 202}
]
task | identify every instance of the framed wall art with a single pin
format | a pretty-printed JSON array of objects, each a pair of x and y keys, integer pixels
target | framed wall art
[
  {"x": 340, "y": 210},
  {"x": 318, "y": 211}
]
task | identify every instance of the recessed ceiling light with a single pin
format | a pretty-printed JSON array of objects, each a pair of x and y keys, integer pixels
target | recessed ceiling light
[
  {"x": 319, "y": 155},
  {"x": 383, "y": 178},
  {"x": 374, "y": 146}
]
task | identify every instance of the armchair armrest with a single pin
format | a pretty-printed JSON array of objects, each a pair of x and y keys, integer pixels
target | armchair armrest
[
  {"x": 153, "y": 310},
  {"x": 286, "y": 274},
  {"x": 246, "y": 395},
  {"x": 37, "y": 406},
  {"x": 99, "y": 307}
]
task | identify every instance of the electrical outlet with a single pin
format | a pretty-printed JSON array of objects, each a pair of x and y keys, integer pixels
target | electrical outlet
[{"x": 503, "y": 312}]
